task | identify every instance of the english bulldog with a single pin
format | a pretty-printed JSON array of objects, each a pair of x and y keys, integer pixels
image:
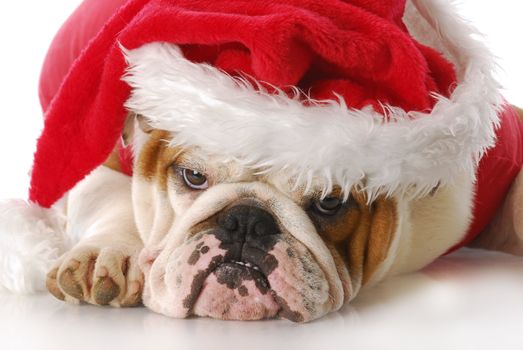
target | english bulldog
[
  {"x": 362, "y": 139},
  {"x": 214, "y": 239}
]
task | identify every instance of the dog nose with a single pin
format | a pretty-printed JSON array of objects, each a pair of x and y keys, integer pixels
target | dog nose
[{"x": 245, "y": 222}]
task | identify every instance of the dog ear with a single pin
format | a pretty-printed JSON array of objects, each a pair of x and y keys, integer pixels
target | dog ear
[
  {"x": 144, "y": 124},
  {"x": 131, "y": 121},
  {"x": 128, "y": 130}
]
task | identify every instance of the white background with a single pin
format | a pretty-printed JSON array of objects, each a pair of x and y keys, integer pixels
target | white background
[{"x": 454, "y": 304}]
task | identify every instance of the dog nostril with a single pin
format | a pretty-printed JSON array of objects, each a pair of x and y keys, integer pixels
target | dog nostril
[
  {"x": 230, "y": 223},
  {"x": 248, "y": 221},
  {"x": 265, "y": 228}
]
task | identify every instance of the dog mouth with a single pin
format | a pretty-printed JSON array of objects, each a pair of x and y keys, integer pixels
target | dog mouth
[
  {"x": 240, "y": 290},
  {"x": 235, "y": 271}
]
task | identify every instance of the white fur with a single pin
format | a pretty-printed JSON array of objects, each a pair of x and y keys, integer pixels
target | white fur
[
  {"x": 101, "y": 204},
  {"x": 31, "y": 239},
  {"x": 273, "y": 133},
  {"x": 427, "y": 228},
  {"x": 430, "y": 226}
]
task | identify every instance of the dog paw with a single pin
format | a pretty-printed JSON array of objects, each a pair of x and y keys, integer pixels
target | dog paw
[{"x": 99, "y": 276}]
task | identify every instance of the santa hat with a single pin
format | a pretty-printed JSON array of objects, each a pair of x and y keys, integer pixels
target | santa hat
[{"x": 392, "y": 96}]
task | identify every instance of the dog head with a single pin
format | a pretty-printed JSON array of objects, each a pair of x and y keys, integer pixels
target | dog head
[{"x": 225, "y": 242}]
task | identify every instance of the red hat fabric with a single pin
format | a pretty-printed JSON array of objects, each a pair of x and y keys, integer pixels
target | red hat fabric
[{"x": 359, "y": 50}]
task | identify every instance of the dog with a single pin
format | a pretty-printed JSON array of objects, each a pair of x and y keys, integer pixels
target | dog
[
  {"x": 199, "y": 231},
  {"x": 249, "y": 247}
]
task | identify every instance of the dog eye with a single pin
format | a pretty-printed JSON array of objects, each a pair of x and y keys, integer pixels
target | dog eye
[
  {"x": 195, "y": 180},
  {"x": 327, "y": 206}
]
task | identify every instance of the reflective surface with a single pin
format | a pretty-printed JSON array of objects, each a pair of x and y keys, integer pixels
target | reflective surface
[{"x": 469, "y": 300}]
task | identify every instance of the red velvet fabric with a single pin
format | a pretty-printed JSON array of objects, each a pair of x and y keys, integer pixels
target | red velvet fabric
[
  {"x": 497, "y": 170},
  {"x": 72, "y": 38},
  {"x": 358, "y": 49}
]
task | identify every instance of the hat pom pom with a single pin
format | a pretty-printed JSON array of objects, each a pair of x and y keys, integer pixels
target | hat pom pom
[{"x": 31, "y": 239}]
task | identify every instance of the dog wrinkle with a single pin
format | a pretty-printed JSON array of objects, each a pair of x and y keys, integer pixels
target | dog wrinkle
[
  {"x": 155, "y": 158},
  {"x": 343, "y": 271},
  {"x": 298, "y": 284},
  {"x": 313, "y": 284},
  {"x": 245, "y": 193},
  {"x": 147, "y": 162}
]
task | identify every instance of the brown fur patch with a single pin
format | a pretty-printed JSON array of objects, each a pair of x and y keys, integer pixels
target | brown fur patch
[
  {"x": 156, "y": 158},
  {"x": 383, "y": 225},
  {"x": 363, "y": 234},
  {"x": 113, "y": 162}
]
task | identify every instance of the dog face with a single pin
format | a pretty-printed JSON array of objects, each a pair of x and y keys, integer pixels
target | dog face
[{"x": 224, "y": 242}]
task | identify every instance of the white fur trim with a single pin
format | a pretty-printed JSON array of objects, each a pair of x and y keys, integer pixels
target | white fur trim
[
  {"x": 225, "y": 116},
  {"x": 31, "y": 239}
]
